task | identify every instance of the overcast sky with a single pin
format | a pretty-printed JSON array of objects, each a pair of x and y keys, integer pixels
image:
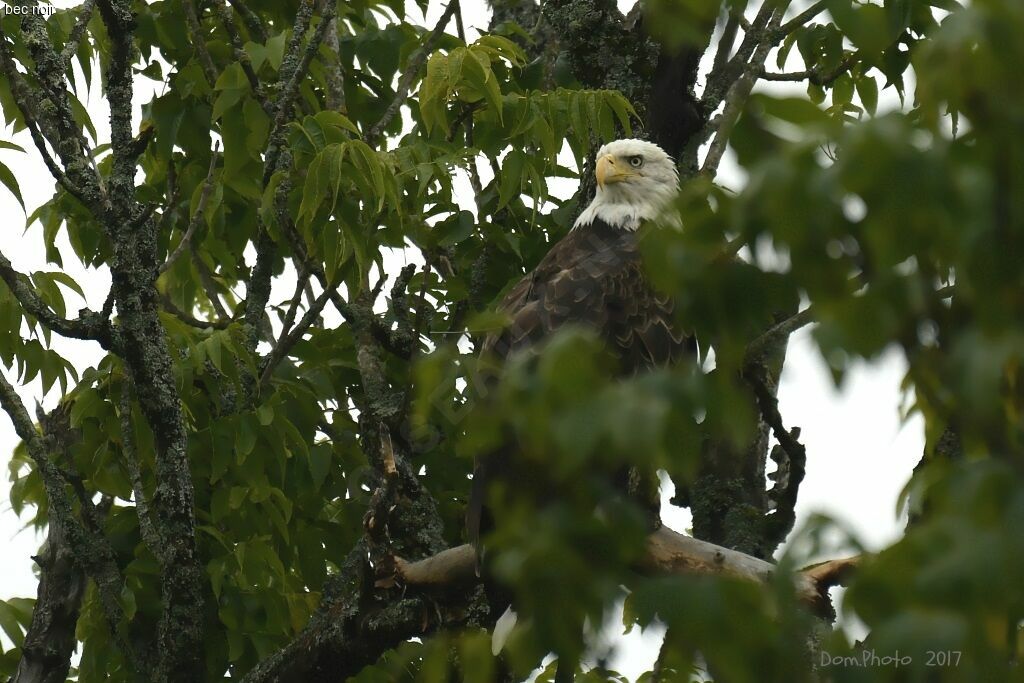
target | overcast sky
[{"x": 860, "y": 452}]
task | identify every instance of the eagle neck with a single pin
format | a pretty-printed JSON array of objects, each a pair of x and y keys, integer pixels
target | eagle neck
[{"x": 626, "y": 208}]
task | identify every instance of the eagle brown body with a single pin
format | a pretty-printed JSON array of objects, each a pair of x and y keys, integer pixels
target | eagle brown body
[{"x": 593, "y": 277}]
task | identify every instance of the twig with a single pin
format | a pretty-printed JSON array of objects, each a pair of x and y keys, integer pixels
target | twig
[
  {"x": 726, "y": 42},
  {"x": 195, "y": 32},
  {"x": 252, "y": 22},
  {"x": 290, "y": 338},
  {"x": 77, "y": 31},
  {"x": 242, "y": 57},
  {"x": 813, "y": 75},
  {"x": 781, "y": 522},
  {"x": 189, "y": 319},
  {"x": 757, "y": 349},
  {"x": 802, "y": 18},
  {"x": 293, "y": 306},
  {"x": 736, "y": 98},
  {"x": 193, "y": 224},
  {"x": 411, "y": 70},
  {"x": 150, "y": 534},
  {"x": 89, "y": 326},
  {"x": 206, "y": 279},
  {"x": 335, "y": 75}
]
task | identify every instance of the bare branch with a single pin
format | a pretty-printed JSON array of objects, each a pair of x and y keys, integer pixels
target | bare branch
[
  {"x": 252, "y": 22},
  {"x": 242, "y": 56},
  {"x": 757, "y": 349},
  {"x": 802, "y": 18},
  {"x": 411, "y": 71},
  {"x": 667, "y": 552},
  {"x": 291, "y": 337},
  {"x": 725, "y": 43},
  {"x": 195, "y": 33},
  {"x": 335, "y": 75},
  {"x": 813, "y": 75},
  {"x": 92, "y": 551},
  {"x": 791, "y": 468},
  {"x": 89, "y": 326},
  {"x": 190, "y": 319},
  {"x": 150, "y": 534},
  {"x": 293, "y": 306},
  {"x": 206, "y": 278},
  {"x": 197, "y": 217},
  {"x": 740, "y": 90},
  {"x": 77, "y": 31}
]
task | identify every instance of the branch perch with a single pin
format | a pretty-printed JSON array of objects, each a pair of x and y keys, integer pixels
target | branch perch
[{"x": 668, "y": 552}]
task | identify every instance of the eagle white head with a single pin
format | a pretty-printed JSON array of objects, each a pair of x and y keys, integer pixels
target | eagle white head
[{"x": 636, "y": 181}]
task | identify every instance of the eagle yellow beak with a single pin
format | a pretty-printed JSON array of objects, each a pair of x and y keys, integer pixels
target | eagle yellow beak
[{"x": 609, "y": 171}]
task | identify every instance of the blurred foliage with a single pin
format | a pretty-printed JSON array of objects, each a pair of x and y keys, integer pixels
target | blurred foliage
[{"x": 903, "y": 229}]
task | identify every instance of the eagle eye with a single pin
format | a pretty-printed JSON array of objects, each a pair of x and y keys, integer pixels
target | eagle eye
[{"x": 636, "y": 162}]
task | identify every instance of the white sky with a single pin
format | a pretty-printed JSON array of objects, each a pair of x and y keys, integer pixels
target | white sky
[{"x": 860, "y": 452}]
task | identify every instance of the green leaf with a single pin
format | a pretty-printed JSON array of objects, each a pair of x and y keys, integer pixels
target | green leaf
[
  {"x": 842, "y": 90},
  {"x": 128, "y": 604},
  {"x": 434, "y": 93},
  {"x": 623, "y": 110},
  {"x": 81, "y": 116},
  {"x": 485, "y": 81},
  {"x": 456, "y": 229},
  {"x": 511, "y": 177},
  {"x": 11, "y": 183},
  {"x": 11, "y": 623},
  {"x": 367, "y": 161},
  {"x": 792, "y": 109},
  {"x": 330, "y": 117},
  {"x": 246, "y": 439},
  {"x": 68, "y": 282},
  {"x": 867, "y": 89}
]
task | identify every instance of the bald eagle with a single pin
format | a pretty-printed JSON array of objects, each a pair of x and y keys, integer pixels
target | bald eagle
[{"x": 594, "y": 277}]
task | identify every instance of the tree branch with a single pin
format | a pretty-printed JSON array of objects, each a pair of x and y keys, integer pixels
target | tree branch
[
  {"x": 89, "y": 325},
  {"x": 667, "y": 552},
  {"x": 243, "y": 57},
  {"x": 92, "y": 551},
  {"x": 147, "y": 528},
  {"x": 77, "y": 31},
  {"x": 791, "y": 467},
  {"x": 252, "y": 22},
  {"x": 50, "y": 638},
  {"x": 813, "y": 75},
  {"x": 195, "y": 33},
  {"x": 802, "y": 18},
  {"x": 190, "y": 319},
  {"x": 41, "y": 130},
  {"x": 740, "y": 90},
  {"x": 757, "y": 349},
  {"x": 193, "y": 224},
  {"x": 335, "y": 75},
  {"x": 410, "y": 73},
  {"x": 291, "y": 337}
]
